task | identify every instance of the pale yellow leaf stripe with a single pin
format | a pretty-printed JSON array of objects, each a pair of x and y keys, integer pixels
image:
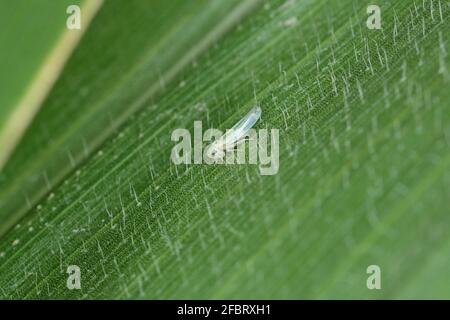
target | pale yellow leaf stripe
[{"x": 42, "y": 82}]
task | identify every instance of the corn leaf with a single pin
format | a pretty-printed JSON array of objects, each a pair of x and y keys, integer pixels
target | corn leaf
[{"x": 364, "y": 158}]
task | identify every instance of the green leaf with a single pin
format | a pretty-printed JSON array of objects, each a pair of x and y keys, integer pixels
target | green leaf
[{"x": 364, "y": 162}]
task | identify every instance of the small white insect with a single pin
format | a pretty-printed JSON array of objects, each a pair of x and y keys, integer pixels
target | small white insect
[{"x": 233, "y": 136}]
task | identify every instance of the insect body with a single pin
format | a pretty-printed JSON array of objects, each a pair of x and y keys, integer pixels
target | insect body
[{"x": 233, "y": 136}]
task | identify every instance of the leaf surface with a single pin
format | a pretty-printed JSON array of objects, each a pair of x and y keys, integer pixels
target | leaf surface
[{"x": 363, "y": 178}]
